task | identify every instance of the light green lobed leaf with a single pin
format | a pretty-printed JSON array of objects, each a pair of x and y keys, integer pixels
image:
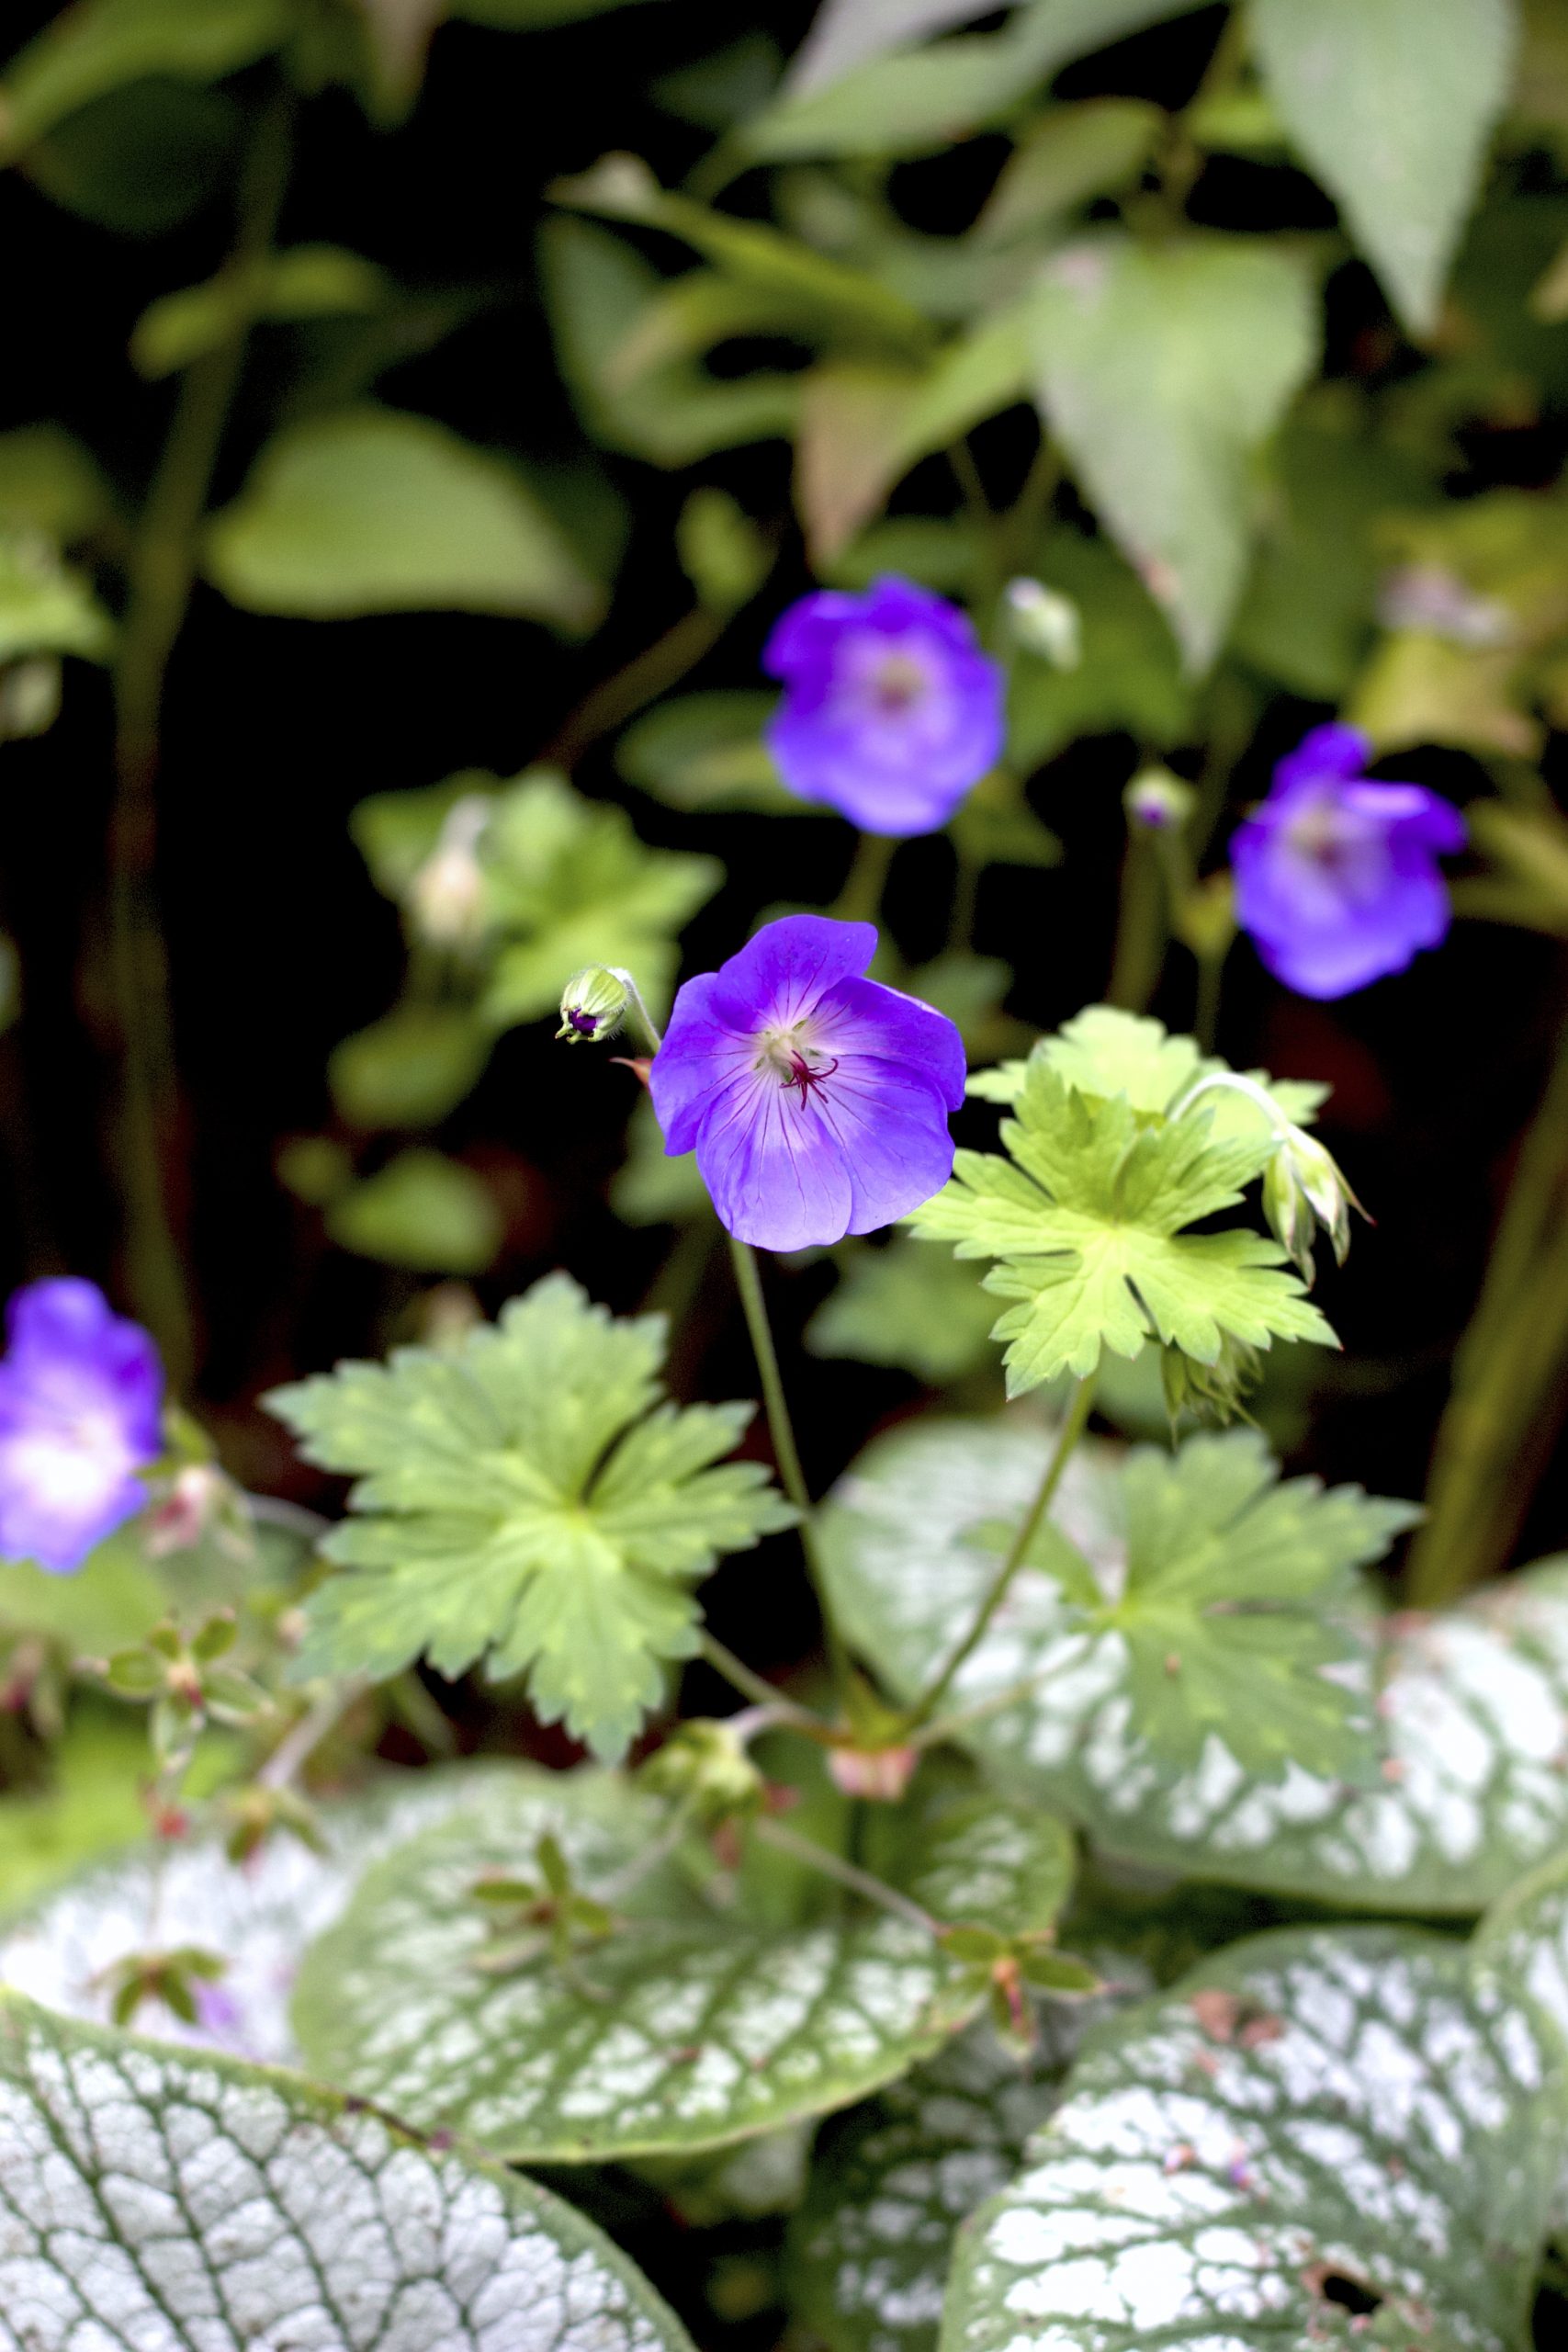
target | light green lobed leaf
[
  {"x": 1107, "y": 1052},
  {"x": 1468, "y": 1779},
  {"x": 904, "y": 1305},
  {"x": 525, "y": 1500},
  {"x": 1086, "y": 1216},
  {"x": 150, "y": 2198},
  {"x": 690, "y": 2028},
  {"x": 891, "y": 2181},
  {"x": 259, "y": 1918},
  {"x": 1339, "y": 2106}
]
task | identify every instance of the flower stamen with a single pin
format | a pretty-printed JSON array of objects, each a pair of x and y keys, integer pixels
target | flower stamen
[{"x": 801, "y": 1078}]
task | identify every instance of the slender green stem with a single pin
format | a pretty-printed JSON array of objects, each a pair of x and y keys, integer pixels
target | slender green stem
[
  {"x": 749, "y": 1282},
  {"x": 1068, "y": 1436},
  {"x": 1504, "y": 1369},
  {"x": 1141, "y": 929},
  {"x": 647, "y": 675},
  {"x": 847, "y": 1874},
  {"x": 860, "y": 900},
  {"x": 162, "y": 574},
  {"x": 298, "y": 1744},
  {"x": 751, "y": 1685},
  {"x": 1206, "y": 1019},
  {"x": 640, "y": 1011}
]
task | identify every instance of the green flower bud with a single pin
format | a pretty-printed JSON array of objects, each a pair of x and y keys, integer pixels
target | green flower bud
[
  {"x": 1159, "y": 801},
  {"x": 1305, "y": 1191},
  {"x": 593, "y": 1005},
  {"x": 703, "y": 1767},
  {"x": 1045, "y": 623}
]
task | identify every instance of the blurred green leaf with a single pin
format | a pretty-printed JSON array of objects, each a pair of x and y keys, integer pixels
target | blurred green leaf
[
  {"x": 568, "y": 884},
  {"x": 722, "y": 552},
  {"x": 906, "y": 1306},
  {"x": 305, "y": 282},
  {"x": 656, "y": 1187},
  {"x": 375, "y": 511},
  {"x": 526, "y": 1499},
  {"x": 422, "y": 1211},
  {"x": 848, "y": 306},
  {"x": 1392, "y": 103},
  {"x": 51, "y": 484},
  {"x": 983, "y": 372},
  {"x": 1073, "y": 153},
  {"x": 395, "y": 832},
  {"x": 702, "y": 751},
  {"x": 846, "y": 450},
  {"x": 714, "y": 91},
  {"x": 140, "y": 159},
  {"x": 1163, "y": 369},
  {"x": 602, "y": 296},
  {"x": 1129, "y": 677},
  {"x": 97, "y": 46},
  {"x": 44, "y": 606},
  {"x": 410, "y": 1069}
]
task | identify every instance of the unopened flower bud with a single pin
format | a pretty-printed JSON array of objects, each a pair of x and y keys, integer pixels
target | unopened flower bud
[
  {"x": 593, "y": 1005},
  {"x": 1159, "y": 801},
  {"x": 1304, "y": 1189},
  {"x": 446, "y": 897},
  {"x": 1045, "y": 623},
  {"x": 704, "y": 1769},
  {"x": 880, "y": 1775}
]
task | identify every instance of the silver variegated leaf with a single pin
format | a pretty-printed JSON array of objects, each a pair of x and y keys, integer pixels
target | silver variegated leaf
[
  {"x": 690, "y": 2025},
  {"x": 159, "y": 2198},
  {"x": 1467, "y": 1779},
  {"x": 1312, "y": 2136}
]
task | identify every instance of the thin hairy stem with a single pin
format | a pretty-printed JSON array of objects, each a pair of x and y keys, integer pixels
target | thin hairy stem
[
  {"x": 860, "y": 900},
  {"x": 1068, "y": 1436},
  {"x": 302, "y": 1740},
  {"x": 752, "y": 1685},
  {"x": 847, "y": 1874}
]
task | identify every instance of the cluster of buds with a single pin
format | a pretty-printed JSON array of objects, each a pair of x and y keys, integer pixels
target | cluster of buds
[
  {"x": 1305, "y": 1189},
  {"x": 704, "y": 1771},
  {"x": 253, "y": 1815},
  {"x": 549, "y": 1913},
  {"x": 186, "y": 1684},
  {"x": 1014, "y": 1967}
]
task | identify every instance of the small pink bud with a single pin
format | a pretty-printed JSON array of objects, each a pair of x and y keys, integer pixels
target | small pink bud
[{"x": 880, "y": 1774}]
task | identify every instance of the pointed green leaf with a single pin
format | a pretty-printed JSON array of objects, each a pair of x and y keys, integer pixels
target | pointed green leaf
[
  {"x": 150, "y": 2198},
  {"x": 410, "y": 1069},
  {"x": 1312, "y": 2127},
  {"x": 1163, "y": 369},
  {"x": 1392, "y": 103},
  {"x": 375, "y": 510},
  {"x": 689, "y": 2026},
  {"x": 519, "y": 1503},
  {"x": 1105, "y": 1051},
  {"x": 101, "y": 45},
  {"x": 422, "y": 1211},
  {"x": 1468, "y": 1786},
  {"x": 905, "y": 1305}
]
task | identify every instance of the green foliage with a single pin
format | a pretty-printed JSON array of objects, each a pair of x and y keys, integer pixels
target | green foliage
[
  {"x": 305, "y": 282},
  {"x": 519, "y": 1504},
  {"x": 1392, "y": 102},
  {"x": 103, "y": 45},
  {"x": 410, "y": 1069},
  {"x": 45, "y": 607},
  {"x": 705, "y": 751},
  {"x": 267, "y": 2160},
  {"x": 1087, "y": 1215},
  {"x": 899, "y": 1306},
  {"x": 1312, "y": 2111},
  {"x": 379, "y": 511},
  {"x": 1163, "y": 369},
  {"x": 422, "y": 1211},
  {"x": 692, "y": 2025}
]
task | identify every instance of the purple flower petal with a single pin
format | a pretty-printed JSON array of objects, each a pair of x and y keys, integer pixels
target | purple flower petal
[
  {"x": 81, "y": 1397},
  {"x": 816, "y": 1101},
  {"x": 891, "y": 711},
  {"x": 1336, "y": 875}
]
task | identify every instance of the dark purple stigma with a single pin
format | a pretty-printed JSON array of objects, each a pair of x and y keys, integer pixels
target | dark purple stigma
[
  {"x": 585, "y": 1023},
  {"x": 802, "y": 1078}
]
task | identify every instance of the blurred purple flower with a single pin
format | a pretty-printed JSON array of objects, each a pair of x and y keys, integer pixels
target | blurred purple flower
[
  {"x": 80, "y": 1396},
  {"x": 1336, "y": 877},
  {"x": 816, "y": 1101},
  {"x": 890, "y": 712}
]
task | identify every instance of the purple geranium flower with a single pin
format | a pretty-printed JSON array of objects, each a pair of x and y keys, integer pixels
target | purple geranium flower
[
  {"x": 890, "y": 710},
  {"x": 80, "y": 1396},
  {"x": 1336, "y": 877},
  {"x": 816, "y": 1101}
]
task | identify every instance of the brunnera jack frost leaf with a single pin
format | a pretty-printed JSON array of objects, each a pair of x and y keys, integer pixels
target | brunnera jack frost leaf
[
  {"x": 1308, "y": 2127},
  {"x": 1087, "y": 1218},
  {"x": 525, "y": 1499},
  {"x": 156, "y": 2198},
  {"x": 257, "y": 1917},
  {"x": 688, "y": 2024},
  {"x": 892, "y": 2179},
  {"x": 1467, "y": 1785}
]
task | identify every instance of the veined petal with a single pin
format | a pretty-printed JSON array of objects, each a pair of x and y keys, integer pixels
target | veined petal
[
  {"x": 857, "y": 1018},
  {"x": 779, "y": 975},
  {"x": 774, "y": 1169}
]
